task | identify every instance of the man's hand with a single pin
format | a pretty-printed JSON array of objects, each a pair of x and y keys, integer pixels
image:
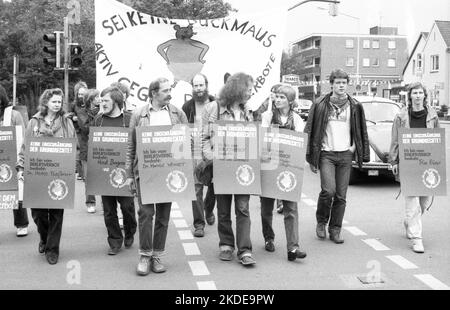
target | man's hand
[
  {"x": 395, "y": 169},
  {"x": 313, "y": 169},
  {"x": 20, "y": 175},
  {"x": 131, "y": 185}
]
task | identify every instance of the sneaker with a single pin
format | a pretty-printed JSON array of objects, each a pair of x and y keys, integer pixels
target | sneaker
[
  {"x": 320, "y": 231},
  {"x": 52, "y": 258},
  {"x": 247, "y": 261},
  {"x": 293, "y": 255},
  {"x": 226, "y": 255},
  {"x": 113, "y": 251},
  {"x": 157, "y": 266},
  {"x": 41, "y": 247},
  {"x": 417, "y": 246},
  {"x": 211, "y": 220},
  {"x": 129, "y": 242},
  {"x": 121, "y": 223},
  {"x": 22, "y": 231},
  {"x": 408, "y": 235},
  {"x": 143, "y": 267},
  {"x": 199, "y": 232},
  {"x": 91, "y": 209},
  {"x": 270, "y": 246}
]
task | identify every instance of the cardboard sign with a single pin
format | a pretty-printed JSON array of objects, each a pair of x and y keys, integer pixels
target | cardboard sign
[
  {"x": 107, "y": 152},
  {"x": 196, "y": 141},
  {"x": 282, "y": 163},
  {"x": 165, "y": 164},
  {"x": 50, "y": 173},
  {"x": 422, "y": 162},
  {"x": 8, "y": 175},
  {"x": 236, "y": 163}
]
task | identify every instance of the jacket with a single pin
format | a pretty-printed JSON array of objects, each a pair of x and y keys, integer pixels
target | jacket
[
  {"x": 141, "y": 118},
  {"x": 35, "y": 128},
  {"x": 189, "y": 109},
  {"x": 317, "y": 124}
]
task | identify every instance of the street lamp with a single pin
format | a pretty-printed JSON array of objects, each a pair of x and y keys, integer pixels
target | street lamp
[{"x": 306, "y": 1}]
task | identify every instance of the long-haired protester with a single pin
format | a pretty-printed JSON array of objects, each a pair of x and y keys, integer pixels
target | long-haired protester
[
  {"x": 231, "y": 106},
  {"x": 50, "y": 121},
  {"x": 417, "y": 114},
  {"x": 284, "y": 117},
  {"x": 10, "y": 117}
]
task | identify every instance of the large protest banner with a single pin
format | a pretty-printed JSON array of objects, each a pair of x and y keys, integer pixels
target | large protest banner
[
  {"x": 165, "y": 164},
  {"x": 422, "y": 162},
  {"x": 8, "y": 176},
  {"x": 282, "y": 163},
  {"x": 107, "y": 152},
  {"x": 135, "y": 48},
  {"x": 50, "y": 173},
  {"x": 236, "y": 163}
]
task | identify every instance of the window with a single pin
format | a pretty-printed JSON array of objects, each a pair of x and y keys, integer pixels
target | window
[
  {"x": 392, "y": 45},
  {"x": 391, "y": 63},
  {"x": 349, "y": 43},
  {"x": 435, "y": 63},
  {"x": 366, "y": 44},
  {"x": 375, "y": 44},
  {"x": 375, "y": 62},
  {"x": 414, "y": 67},
  {"x": 317, "y": 43},
  {"x": 366, "y": 62},
  {"x": 419, "y": 62},
  {"x": 317, "y": 61},
  {"x": 350, "y": 62}
]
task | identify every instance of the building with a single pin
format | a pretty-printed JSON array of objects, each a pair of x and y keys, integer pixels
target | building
[
  {"x": 429, "y": 63},
  {"x": 375, "y": 61}
]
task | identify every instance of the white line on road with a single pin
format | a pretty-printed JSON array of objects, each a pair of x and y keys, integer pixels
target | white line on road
[
  {"x": 309, "y": 202},
  {"x": 180, "y": 223},
  {"x": 185, "y": 235},
  {"x": 176, "y": 214},
  {"x": 432, "y": 282},
  {"x": 402, "y": 262},
  {"x": 207, "y": 286},
  {"x": 199, "y": 268},
  {"x": 376, "y": 245},
  {"x": 191, "y": 249},
  {"x": 355, "y": 231}
]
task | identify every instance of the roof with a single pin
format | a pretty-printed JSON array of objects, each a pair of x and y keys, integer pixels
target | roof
[
  {"x": 444, "y": 29},
  {"x": 425, "y": 36}
]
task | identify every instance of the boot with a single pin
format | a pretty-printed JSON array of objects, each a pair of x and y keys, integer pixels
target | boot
[{"x": 335, "y": 236}]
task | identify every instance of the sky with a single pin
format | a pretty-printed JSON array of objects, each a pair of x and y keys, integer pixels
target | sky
[{"x": 410, "y": 16}]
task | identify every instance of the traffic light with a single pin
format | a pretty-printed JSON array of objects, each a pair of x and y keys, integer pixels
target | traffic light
[
  {"x": 75, "y": 55},
  {"x": 54, "y": 49},
  {"x": 333, "y": 9}
]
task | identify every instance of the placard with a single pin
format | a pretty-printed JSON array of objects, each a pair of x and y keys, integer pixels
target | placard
[
  {"x": 422, "y": 162},
  {"x": 282, "y": 163},
  {"x": 107, "y": 150},
  {"x": 165, "y": 164},
  {"x": 8, "y": 176},
  {"x": 49, "y": 177},
  {"x": 236, "y": 163}
]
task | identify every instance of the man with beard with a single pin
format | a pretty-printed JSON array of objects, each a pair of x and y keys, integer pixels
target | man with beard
[{"x": 193, "y": 110}]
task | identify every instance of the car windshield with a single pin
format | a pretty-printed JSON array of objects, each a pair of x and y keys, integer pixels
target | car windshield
[{"x": 380, "y": 111}]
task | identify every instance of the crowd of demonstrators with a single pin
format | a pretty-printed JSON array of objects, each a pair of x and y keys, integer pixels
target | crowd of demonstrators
[
  {"x": 417, "y": 114},
  {"x": 202, "y": 208},
  {"x": 10, "y": 117}
]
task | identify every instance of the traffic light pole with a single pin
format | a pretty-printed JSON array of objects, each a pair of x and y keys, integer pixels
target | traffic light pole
[{"x": 66, "y": 60}]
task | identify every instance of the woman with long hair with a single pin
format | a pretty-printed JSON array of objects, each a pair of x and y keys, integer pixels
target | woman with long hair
[
  {"x": 417, "y": 114},
  {"x": 50, "y": 121}
]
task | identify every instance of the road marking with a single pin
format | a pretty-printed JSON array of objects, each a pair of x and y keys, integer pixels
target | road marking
[
  {"x": 355, "y": 231},
  {"x": 402, "y": 262},
  {"x": 191, "y": 249},
  {"x": 175, "y": 205},
  {"x": 185, "y": 235},
  {"x": 376, "y": 245},
  {"x": 207, "y": 286},
  {"x": 432, "y": 282},
  {"x": 176, "y": 214},
  {"x": 309, "y": 202},
  {"x": 199, "y": 268},
  {"x": 180, "y": 223}
]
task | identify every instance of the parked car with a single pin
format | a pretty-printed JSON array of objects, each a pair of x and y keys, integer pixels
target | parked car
[
  {"x": 380, "y": 114},
  {"x": 303, "y": 107}
]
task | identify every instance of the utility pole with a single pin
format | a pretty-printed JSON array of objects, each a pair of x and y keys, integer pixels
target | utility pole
[
  {"x": 16, "y": 68},
  {"x": 66, "y": 60}
]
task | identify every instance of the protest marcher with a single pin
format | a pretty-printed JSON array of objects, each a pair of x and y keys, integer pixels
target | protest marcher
[
  {"x": 113, "y": 116},
  {"x": 158, "y": 112},
  {"x": 126, "y": 92},
  {"x": 417, "y": 114},
  {"x": 10, "y": 117},
  {"x": 337, "y": 133},
  {"x": 231, "y": 106},
  {"x": 283, "y": 117},
  {"x": 201, "y": 208},
  {"x": 50, "y": 121}
]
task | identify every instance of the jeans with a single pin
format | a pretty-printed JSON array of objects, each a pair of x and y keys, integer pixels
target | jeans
[
  {"x": 90, "y": 199},
  {"x": 115, "y": 237},
  {"x": 20, "y": 216},
  {"x": 49, "y": 224},
  {"x": 224, "y": 226},
  {"x": 335, "y": 170},
  {"x": 414, "y": 208},
  {"x": 203, "y": 208},
  {"x": 152, "y": 243},
  {"x": 290, "y": 212}
]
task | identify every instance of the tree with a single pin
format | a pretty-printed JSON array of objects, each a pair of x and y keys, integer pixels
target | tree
[{"x": 290, "y": 64}]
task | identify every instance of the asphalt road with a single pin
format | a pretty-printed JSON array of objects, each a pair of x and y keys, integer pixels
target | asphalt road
[{"x": 375, "y": 248}]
